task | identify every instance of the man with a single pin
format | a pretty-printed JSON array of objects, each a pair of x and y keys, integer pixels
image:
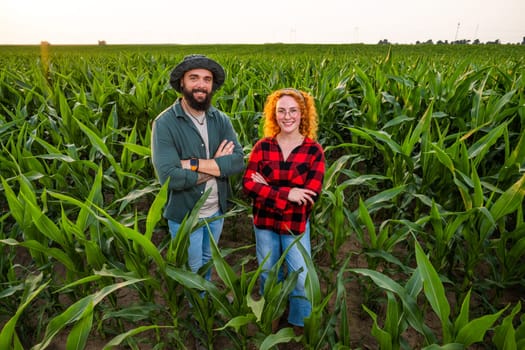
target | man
[{"x": 195, "y": 147}]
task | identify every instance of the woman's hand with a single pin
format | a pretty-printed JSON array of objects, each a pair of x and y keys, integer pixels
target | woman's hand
[
  {"x": 301, "y": 196},
  {"x": 256, "y": 177}
]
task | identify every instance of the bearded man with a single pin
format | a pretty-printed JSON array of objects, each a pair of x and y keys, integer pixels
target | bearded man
[{"x": 195, "y": 147}]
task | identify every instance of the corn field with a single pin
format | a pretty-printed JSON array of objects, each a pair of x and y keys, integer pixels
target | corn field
[{"x": 421, "y": 211}]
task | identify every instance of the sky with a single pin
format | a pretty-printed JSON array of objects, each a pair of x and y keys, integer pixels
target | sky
[{"x": 256, "y": 22}]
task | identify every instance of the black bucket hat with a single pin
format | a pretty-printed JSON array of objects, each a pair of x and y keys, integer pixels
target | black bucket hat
[{"x": 193, "y": 62}]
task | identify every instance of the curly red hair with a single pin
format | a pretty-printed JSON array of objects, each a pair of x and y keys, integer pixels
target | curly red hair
[{"x": 308, "y": 126}]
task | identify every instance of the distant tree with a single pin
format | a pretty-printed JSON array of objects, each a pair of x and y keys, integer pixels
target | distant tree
[
  {"x": 101, "y": 42},
  {"x": 523, "y": 41},
  {"x": 476, "y": 42},
  {"x": 461, "y": 42},
  {"x": 383, "y": 42}
]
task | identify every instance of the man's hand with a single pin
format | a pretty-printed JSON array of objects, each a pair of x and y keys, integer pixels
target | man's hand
[
  {"x": 185, "y": 164},
  {"x": 225, "y": 148},
  {"x": 203, "y": 178}
]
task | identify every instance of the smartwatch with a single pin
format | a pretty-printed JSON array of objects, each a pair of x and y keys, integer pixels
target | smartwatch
[{"x": 194, "y": 164}]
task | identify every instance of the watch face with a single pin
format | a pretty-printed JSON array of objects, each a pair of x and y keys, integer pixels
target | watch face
[{"x": 193, "y": 164}]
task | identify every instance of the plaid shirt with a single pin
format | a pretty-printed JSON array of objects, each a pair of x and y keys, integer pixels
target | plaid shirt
[{"x": 304, "y": 168}]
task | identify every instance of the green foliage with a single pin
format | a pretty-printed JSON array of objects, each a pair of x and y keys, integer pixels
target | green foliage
[{"x": 424, "y": 148}]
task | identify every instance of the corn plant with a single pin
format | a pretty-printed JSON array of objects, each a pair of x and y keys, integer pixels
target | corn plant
[
  {"x": 31, "y": 287},
  {"x": 457, "y": 333},
  {"x": 508, "y": 337}
]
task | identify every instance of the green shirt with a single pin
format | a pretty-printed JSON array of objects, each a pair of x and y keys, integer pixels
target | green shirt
[{"x": 174, "y": 137}]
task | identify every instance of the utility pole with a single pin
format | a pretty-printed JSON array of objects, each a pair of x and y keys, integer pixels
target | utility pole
[{"x": 457, "y": 31}]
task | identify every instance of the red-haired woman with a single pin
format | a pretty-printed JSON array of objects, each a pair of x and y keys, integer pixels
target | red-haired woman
[{"x": 284, "y": 177}]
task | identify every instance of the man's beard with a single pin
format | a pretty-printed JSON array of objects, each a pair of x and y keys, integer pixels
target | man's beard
[{"x": 196, "y": 105}]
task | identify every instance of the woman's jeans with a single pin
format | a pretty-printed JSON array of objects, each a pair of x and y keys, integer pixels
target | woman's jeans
[
  {"x": 199, "y": 250},
  {"x": 269, "y": 242}
]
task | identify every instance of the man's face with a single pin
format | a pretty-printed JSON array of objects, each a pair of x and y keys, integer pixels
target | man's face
[{"x": 197, "y": 86}]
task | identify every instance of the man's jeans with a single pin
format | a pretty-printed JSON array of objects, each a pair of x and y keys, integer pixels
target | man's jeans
[
  {"x": 199, "y": 250},
  {"x": 269, "y": 242}
]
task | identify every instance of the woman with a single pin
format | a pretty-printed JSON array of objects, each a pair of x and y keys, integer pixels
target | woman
[{"x": 284, "y": 177}]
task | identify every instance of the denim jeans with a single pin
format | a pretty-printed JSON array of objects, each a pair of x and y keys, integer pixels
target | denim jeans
[
  {"x": 199, "y": 250},
  {"x": 274, "y": 244}
]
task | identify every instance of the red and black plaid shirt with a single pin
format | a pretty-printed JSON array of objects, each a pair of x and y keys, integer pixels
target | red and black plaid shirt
[{"x": 304, "y": 168}]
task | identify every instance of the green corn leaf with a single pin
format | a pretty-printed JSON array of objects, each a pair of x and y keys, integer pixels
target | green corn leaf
[
  {"x": 140, "y": 150},
  {"x": 384, "y": 138},
  {"x": 383, "y": 338},
  {"x": 434, "y": 291},
  {"x": 507, "y": 203},
  {"x": 477, "y": 197},
  {"x": 495, "y": 110},
  {"x": 475, "y": 330},
  {"x": 224, "y": 270},
  {"x": 77, "y": 338},
  {"x": 370, "y": 100},
  {"x": 517, "y": 156},
  {"x": 365, "y": 217},
  {"x": 410, "y": 307},
  {"x": 116, "y": 341},
  {"x": 510, "y": 200},
  {"x": 55, "y": 253},
  {"x": 463, "y": 317},
  {"x": 375, "y": 202},
  {"x": 155, "y": 211},
  {"x": 16, "y": 207},
  {"x": 100, "y": 146},
  {"x": 423, "y": 126},
  {"x": 142, "y": 241},
  {"x": 238, "y": 322},
  {"x": 394, "y": 322},
  {"x": 149, "y": 248},
  {"x": 505, "y": 334},
  {"x": 77, "y": 311},
  {"x": 284, "y": 335},
  {"x": 85, "y": 216},
  {"x": 257, "y": 306},
  {"x": 443, "y": 157},
  {"x": 44, "y": 224},
  {"x": 33, "y": 286},
  {"x": 479, "y": 149},
  {"x": 312, "y": 285}
]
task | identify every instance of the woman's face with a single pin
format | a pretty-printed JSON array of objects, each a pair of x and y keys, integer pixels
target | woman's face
[{"x": 288, "y": 114}]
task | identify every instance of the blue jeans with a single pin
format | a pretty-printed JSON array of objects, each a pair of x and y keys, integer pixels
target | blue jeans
[
  {"x": 270, "y": 243},
  {"x": 199, "y": 250}
]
